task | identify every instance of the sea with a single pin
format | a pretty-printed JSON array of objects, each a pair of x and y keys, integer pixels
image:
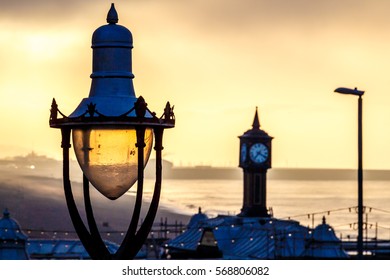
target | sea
[
  {"x": 308, "y": 202},
  {"x": 305, "y": 201}
]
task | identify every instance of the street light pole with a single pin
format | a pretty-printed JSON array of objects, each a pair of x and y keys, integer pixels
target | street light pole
[
  {"x": 358, "y": 93},
  {"x": 360, "y": 178}
]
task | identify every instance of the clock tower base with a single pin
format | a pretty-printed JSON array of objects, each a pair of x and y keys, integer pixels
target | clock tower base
[
  {"x": 255, "y": 194},
  {"x": 256, "y": 211}
]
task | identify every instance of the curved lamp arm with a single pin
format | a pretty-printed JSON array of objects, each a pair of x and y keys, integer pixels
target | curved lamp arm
[
  {"x": 95, "y": 248},
  {"x": 134, "y": 239}
]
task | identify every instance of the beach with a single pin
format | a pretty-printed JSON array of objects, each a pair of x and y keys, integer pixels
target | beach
[{"x": 38, "y": 204}]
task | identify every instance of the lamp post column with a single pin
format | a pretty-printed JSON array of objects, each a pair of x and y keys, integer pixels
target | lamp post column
[{"x": 360, "y": 179}]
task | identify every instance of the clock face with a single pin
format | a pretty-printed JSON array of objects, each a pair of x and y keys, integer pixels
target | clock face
[
  {"x": 243, "y": 152},
  {"x": 258, "y": 153}
]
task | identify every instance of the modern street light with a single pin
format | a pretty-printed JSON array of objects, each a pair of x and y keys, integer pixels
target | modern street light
[
  {"x": 112, "y": 134},
  {"x": 358, "y": 93}
]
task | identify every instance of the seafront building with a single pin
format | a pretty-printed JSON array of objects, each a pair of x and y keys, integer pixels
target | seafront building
[
  {"x": 227, "y": 237},
  {"x": 16, "y": 245},
  {"x": 234, "y": 237},
  {"x": 12, "y": 239}
]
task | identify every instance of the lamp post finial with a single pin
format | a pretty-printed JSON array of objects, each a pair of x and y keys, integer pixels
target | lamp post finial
[{"x": 112, "y": 16}]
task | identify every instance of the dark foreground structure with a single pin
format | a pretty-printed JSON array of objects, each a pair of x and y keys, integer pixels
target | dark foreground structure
[
  {"x": 113, "y": 132},
  {"x": 16, "y": 245},
  {"x": 234, "y": 237}
]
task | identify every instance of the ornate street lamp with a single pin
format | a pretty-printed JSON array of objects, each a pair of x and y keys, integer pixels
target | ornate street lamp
[{"x": 112, "y": 133}]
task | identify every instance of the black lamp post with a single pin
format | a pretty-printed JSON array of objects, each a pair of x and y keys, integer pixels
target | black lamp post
[
  {"x": 358, "y": 93},
  {"x": 112, "y": 133}
]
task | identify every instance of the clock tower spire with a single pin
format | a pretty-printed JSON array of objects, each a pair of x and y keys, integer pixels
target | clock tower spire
[
  {"x": 256, "y": 122},
  {"x": 255, "y": 160}
]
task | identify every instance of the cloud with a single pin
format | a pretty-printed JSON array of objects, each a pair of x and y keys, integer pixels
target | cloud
[
  {"x": 237, "y": 15},
  {"x": 19, "y": 9},
  {"x": 51, "y": 12},
  {"x": 201, "y": 54},
  {"x": 204, "y": 15}
]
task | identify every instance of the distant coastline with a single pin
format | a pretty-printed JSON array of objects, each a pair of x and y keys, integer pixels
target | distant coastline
[
  {"x": 45, "y": 166},
  {"x": 235, "y": 173}
]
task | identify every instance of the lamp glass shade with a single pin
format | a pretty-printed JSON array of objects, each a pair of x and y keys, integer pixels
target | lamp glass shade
[{"x": 109, "y": 157}]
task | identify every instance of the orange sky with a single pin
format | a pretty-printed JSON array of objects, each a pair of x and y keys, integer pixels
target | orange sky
[{"x": 215, "y": 62}]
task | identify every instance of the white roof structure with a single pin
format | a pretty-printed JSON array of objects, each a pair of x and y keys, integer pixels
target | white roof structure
[
  {"x": 15, "y": 245},
  {"x": 60, "y": 249},
  {"x": 256, "y": 238},
  {"x": 12, "y": 239},
  {"x": 325, "y": 244}
]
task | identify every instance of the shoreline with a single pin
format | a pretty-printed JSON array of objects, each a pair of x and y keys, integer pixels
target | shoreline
[{"x": 38, "y": 204}]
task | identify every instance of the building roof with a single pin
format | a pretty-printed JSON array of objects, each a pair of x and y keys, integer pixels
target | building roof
[
  {"x": 325, "y": 233},
  {"x": 247, "y": 238},
  {"x": 255, "y": 131},
  {"x": 325, "y": 244},
  {"x": 61, "y": 249},
  {"x": 15, "y": 245},
  {"x": 12, "y": 239},
  {"x": 257, "y": 238},
  {"x": 197, "y": 219},
  {"x": 10, "y": 229}
]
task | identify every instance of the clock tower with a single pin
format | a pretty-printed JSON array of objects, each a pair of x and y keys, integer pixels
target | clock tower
[{"x": 255, "y": 160}]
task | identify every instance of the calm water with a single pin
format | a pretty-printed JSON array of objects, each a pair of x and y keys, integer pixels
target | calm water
[{"x": 336, "y": 200}]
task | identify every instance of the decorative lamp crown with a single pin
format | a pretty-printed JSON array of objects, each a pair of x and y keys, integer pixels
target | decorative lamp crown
[{"x": 112, "y": 88}]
